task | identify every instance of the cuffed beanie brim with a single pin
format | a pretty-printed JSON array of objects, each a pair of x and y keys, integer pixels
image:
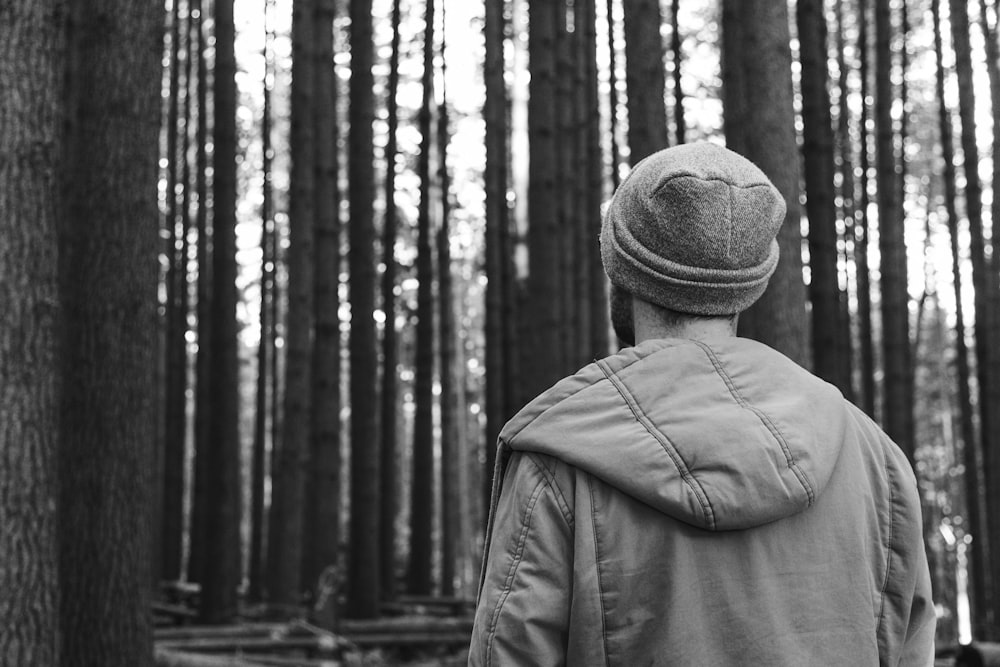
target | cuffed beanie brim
[{"x": 693, "y": 229}]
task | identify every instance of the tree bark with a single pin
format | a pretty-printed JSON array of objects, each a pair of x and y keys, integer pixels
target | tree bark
[
  {"x": 866, "y": 343},
  {"x": 108, "y": 246},
  {"x": 817, "y": 151},
  {"x": 422, "y": 481},
  {"x": 984, "y": 282},
  {"x": 390, "y": 340},
  {"x": 847, "y": 207},
  {"x": 644, "y": 78},
  {"x": 321, "y": 543},
  {"x": 363, "y": 584},
  {"x": 676, "y": 47},
  {"x": 760, "y": 123},
  {"x": 30, "y": 137},
  {"x": 222, "y": 571}
]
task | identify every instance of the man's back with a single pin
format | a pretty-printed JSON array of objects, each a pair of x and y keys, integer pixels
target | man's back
[{"x": 684, "y": 503}]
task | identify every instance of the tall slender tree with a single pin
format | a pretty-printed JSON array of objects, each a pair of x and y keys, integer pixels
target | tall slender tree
[
  {"x": 613, "y": 94},
  {"x": 422, "y": 481},
  {"x": 172, "y": 506},
  {"x": 818, "y": 158},
  {"x": 363, "y": 583},
  {"x": 865, "y": 334},
  {"x": 980, "y": 593},
  {"x": 322, "y": 534},
  {"x": 676, "y": 48},
  {"x": 984, "y": 282},
  {"x": 29, "y": 331},
  {"x": 221, "y": 568},
  {"x": 644, "y": 78},
  {"x": 390, "y": 339},
  {"x": 265, "y": 346},
  {"x": 844, "y": 149},
  {"x": 760, "y": 124},
  {"x": 108, "y": 247}
]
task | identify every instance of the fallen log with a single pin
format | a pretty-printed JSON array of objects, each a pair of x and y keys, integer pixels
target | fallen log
[
  {"x": 169, "y": 658},
  {"x": 249, "y": 644}
]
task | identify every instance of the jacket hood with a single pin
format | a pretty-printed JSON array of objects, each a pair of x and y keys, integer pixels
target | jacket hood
[{"x": 722, "y": 436}]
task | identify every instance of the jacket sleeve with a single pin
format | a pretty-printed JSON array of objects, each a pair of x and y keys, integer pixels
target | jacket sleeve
[
  {"x": 908, "y": 619},
  {"x": 522, "y": 615}
]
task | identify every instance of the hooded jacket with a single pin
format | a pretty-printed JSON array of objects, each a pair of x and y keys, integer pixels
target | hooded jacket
[{"x": 681, "y": 503}]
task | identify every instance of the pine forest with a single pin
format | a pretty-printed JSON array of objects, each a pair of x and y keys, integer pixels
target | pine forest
[{"x": 275, "y": 273}]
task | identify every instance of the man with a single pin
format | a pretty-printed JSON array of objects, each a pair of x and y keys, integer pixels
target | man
[{"x": 699, "y": 499}]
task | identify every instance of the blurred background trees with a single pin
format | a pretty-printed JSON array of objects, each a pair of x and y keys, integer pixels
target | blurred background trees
[{"x": 377, "y": 239}]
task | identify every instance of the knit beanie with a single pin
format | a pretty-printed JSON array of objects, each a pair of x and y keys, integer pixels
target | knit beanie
[{"x": 693, "y": 229}]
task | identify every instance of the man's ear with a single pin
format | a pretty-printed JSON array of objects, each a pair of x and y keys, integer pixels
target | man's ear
[{"x": 622, "y": 318}]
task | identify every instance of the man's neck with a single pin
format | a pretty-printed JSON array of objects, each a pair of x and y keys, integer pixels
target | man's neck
[{"x": 650, "y": 324}]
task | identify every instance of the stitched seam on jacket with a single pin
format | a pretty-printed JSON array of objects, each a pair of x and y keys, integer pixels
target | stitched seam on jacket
[
  {"x": 665, "y": 443},
  {"x": 550, "y": 480},
  {"x": 765, "y": 420},
  {"x": 510, "y": 439},
  {"x": 512, "y": 571},
  {"x": 888, "y": 555},
  {"x": 597, "y": 567}
]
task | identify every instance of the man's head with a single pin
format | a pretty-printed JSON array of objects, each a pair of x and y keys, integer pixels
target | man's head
[{"x": 691, "y": 230}]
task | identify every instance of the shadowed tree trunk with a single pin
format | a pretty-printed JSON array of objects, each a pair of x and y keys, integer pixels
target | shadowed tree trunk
[
  {"x": 760, "y": 124},
  {"x": 984, "y": 282},
  {"x": 222, "y": 572},
  {"x": 817, "y": 150},
  {"x": 644, "y": 78},
  {"x": 844, "y": 149},
  {"x": 108, "y": 246},
  {"x": 390, "y": 339},
  {"x": 293, "y": 462},
  {"x": 616, "y": 157},
  {"x": 172, "y": 507},
  {"x": 978, "y": 587},
  {"x": 898, "y": 413},
  {"x": 29, "y": 331},
  {"x": 363, "y": 583},
  {"x": 422, "y": 484},
  {"x": 866, "y": 344},
  {"x": 676, "y": 44},
  {"x": 497, "y": 226},
  {"x": 321, "y": 539}
]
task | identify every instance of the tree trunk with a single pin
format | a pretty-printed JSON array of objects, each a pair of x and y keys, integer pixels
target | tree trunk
[
  {"x": 172, "y": 508},
  {"x": 760, "y": 123},
  {"x": 497, "y": 225},
  {"x": 676, "y": 47},
  {"x": 322, "y": 534},
  {"x": 569, "y": 308},
  {"x": 452, "y": 498},
  {"x": 866, "y": 343},
  {"x": 108, "y": 246},
  {"x": 817, "y": 150},
  {"x": 984, "y": 281},
  {"x": 264, "y": 347},
  {"x": 544, "y": 240},
  {"x": 422, "y": 487},
  {"x": 898, "y": 413},
  {"x": 616, "y": 158},
  {"x": 390, "y": 339},
  {"x": 847, "y": 207},
  {"x": 29, "y": 331},
  {"x": 363, "y": 584},
  {"x": 222, "y": 571},
  {"x": 644, "y": 78},
  {"x": 203, "y": 398}
]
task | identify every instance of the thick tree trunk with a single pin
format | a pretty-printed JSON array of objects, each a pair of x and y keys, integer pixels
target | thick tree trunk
[
  {"x": 817, "y": 150},
  {"x": 422, "y": 481},
  {"x": 984, "y": 281},
  {"x": 760, "y": 123},
  {"x": 293, "y": 462},
  {"x": 222, "y": 571},
  {"x": 29, "y": 331},
  {"x": 363, "y": 584},
  {"x": 322, "y": 535},
  {"x": 644, "y": 78},
  {"x": 390, "y": 340},
  {"x": 108, "y": 246}
]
